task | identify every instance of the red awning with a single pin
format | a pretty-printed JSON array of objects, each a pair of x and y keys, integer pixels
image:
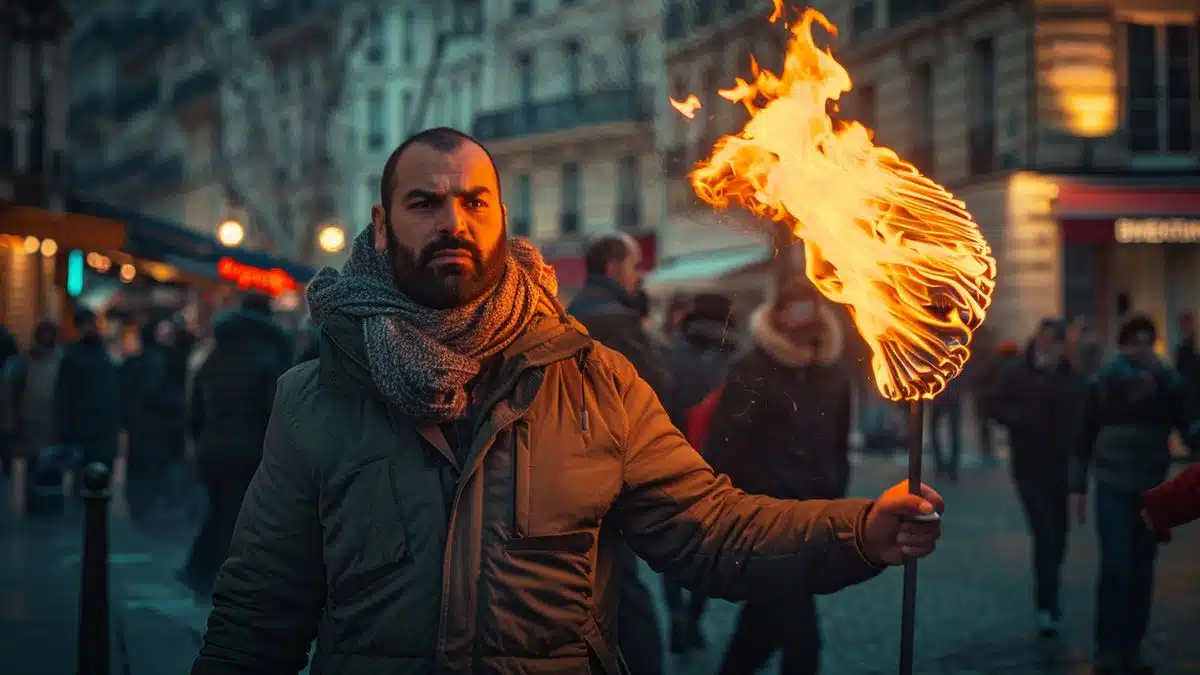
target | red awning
[{"x": 1106, "y": 202}]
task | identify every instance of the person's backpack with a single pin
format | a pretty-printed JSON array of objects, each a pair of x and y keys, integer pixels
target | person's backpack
[{"x": 699, "y": 417}]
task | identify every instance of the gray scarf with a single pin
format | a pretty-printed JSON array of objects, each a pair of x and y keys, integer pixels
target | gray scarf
[{"x": 421, "y": 359}]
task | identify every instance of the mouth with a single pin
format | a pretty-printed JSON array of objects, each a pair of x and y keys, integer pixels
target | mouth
[{"x": 456, "y": 256}]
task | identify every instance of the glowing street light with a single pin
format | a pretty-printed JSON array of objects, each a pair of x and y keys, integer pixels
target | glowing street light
[
  {"x": 331, "y": 238},
  {"x": 230, "y": 233},
  {"x": 49, "y": 248}
]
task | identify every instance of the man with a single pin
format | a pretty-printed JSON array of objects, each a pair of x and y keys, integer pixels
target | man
[
  {"x": 1131, "y": 406},
  {"x": 782, "y": 429},
  {"x": 87, "y": 395},
  {"x": 1036, "y": 398},
  {"x": 231, "y": 405},
  {"x": 442, "y": 490},
  {"x": 1187, "y": 359},
  {"x": 698, "y": 362},
  {"x": 612, "y": 306},
  {"x": 8, "y": 350},
  {"x": 156, "y": 417},
  {"x": 27, "y": 394}
]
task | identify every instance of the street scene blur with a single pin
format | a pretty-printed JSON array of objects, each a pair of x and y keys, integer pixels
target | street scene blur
[{"x": 221, "y": 454}]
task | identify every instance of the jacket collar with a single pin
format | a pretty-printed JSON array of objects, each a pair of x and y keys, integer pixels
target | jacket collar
[{"x": 827, "y": 350}]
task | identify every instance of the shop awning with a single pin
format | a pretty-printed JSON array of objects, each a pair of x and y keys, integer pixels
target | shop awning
[
  {"x": 705, "y": 267},
  {"x": 69, "y": 230}
]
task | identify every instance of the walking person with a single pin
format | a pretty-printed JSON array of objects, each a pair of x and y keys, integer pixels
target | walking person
[
  {"x": 613, "y": 307},
  {"x": 781, "y": 428},
  {"x": 27, "y": 396},
  {"x": 450, "y": 486},
  {"x": 1037, "y": 399},
  {"x": 157, "y": 423},
  {"x": 231, "y": 405},
  {"x": 698, "y": 361},
  {"x": 87, "y": 394},
  {"x": 8, "y": 350},
  {"x": 947, "y": 411},
  {"x": 1131, "y": 406}
]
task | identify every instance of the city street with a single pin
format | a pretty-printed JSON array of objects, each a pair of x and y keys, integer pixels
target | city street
[{"x": 974, "y": 614}]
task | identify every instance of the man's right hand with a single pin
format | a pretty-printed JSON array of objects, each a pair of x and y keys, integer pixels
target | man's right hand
[{"x": 1079, "y": 507}]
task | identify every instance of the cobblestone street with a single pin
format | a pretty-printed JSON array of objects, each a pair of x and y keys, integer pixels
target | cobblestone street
[{"x": 975, "y": 612}]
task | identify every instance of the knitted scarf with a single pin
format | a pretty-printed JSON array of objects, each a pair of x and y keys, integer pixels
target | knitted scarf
[{"x": 421, "y": 359}]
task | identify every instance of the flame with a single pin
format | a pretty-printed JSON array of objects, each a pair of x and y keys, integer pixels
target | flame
[
  {"x": 688, "y": 107},
  {"x": 896, "y": 248}
]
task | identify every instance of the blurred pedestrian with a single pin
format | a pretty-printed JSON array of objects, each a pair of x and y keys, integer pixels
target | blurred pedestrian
[
  {"x": 1037, "y": 399},
  {"x": 613, "y": 307},
  {"x": 27, "y": 394},
  {"x": 448, "y": 488},
  {"x": 947, "y": 411},
  {"x": 1131, "y": 406},
  {"x": 782, "y": 429},
  {"x": 231, "y": 405},
  {"x": 1083, "y": 346},
  {"x": 678, "y": 307},
  {"x": 1187, "y": 359},
  {"x": 1173, "y": 503},
  {"x": 88, "y": 405},
  {"x": 698, "y": 363},
  {"x": 156, "y": 422},
  {"x": 8, "y": 349}
]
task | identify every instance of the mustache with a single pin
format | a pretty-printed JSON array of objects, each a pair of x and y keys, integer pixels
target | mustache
[{"x": 449, "y": 244}]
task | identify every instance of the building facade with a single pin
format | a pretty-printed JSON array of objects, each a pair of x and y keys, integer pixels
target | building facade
[
  {"x": 566, "y": 110},
  {"x": 1071, "y": 130}
]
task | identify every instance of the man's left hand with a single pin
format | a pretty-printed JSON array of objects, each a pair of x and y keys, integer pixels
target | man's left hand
[{"x": 893, "y": 531}]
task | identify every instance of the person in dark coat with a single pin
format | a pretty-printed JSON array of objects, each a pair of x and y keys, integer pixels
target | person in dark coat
[
  {"x": 8, "y": 350},
  {"x": 1037, "y": 398},
  {"x": 448, "y": 488},
  {"x": 1130, "y": 407},
  {"x": 698, "y": 361},
  {"x": 612, "y": 306},
  {"x": 1187, "y": 358},
  {"x": 157, "y": 419},
  {"x": 87, "y": 395},
  {"x": 782, "y": 429},
  {"x": 231, "y": 405}
]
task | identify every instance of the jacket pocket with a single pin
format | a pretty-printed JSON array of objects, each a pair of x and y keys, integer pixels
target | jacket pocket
[
  {"x": 522, "y": 474},
  {"x": 567, "y": 542}
]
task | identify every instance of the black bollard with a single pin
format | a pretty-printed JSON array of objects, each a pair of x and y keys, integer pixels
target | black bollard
[{"x": 94, "y": 636}]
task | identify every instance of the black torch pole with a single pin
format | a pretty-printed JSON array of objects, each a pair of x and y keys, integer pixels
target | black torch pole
[{"x": 908, "y": 607}]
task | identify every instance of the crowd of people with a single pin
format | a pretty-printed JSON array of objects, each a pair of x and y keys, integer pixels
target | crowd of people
[{"x": 462, "y": 473}]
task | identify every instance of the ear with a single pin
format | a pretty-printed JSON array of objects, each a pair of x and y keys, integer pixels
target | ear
[{"x": 379, "y": 227}]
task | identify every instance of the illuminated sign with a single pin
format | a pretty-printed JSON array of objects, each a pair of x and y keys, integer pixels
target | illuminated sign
[
  {"x": 272, "y": 282},
  {"x": 1157, "y": 230}
]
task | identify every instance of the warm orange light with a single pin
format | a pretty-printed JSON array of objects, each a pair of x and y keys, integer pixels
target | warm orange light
[
  {"x": 32, "y": 244},
  {"x": 49, "y": 248},
  {"x": 273, "y": 282},
  {"x": 331, "y": 238},
  {"x": 897, "y": 249}
]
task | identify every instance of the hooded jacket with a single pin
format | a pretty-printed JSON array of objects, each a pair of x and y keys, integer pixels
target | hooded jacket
[
  {"x": 234, "y": 389},
  {"x": 782, "y": 424},
  {"x": 363, "y": 528}
]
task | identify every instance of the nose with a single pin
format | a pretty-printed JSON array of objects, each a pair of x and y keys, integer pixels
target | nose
[{"x": 455, "y": 221}]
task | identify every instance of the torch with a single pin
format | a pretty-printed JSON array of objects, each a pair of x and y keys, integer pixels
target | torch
[{"x": 894, "y": 247}]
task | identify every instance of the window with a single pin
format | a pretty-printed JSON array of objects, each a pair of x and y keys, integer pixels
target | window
[
  {"x": 523, "y": 225},
  {"x": 375, "y": 123},
  {"x": 732, "y": 6},
  {"x": 572, "y": 198},
  {"x": 468, "y": 17},
  {"x": 982, "y": 107},
  {"x": 525, "y": 78},
  {"x": 1159, "y": 106},
  {"x": 633, "y": 59},
  {"x": 703, "y": 12},
  {"x": 862, "y": 17},
  {"x": 574, "y": 67},
  {"x": 406, "y": 111},
  {"x": 522, "y": 8},
  {"x": 921, "y": 153},
  {"x": 410, "y": 36},
  {"x": 629, "y": 197},
  {"x": 377, "y": 41},
  {"x": 674, "y": 22}
]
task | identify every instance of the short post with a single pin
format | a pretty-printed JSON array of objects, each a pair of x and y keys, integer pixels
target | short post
[{"x": 94, "y": 637}]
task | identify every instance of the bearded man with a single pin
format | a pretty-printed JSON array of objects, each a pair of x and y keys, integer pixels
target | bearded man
[{"x": 445, "y": 489}]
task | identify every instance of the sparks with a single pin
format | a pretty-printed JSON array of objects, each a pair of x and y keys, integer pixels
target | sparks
[{"x": 687, "y": 107}]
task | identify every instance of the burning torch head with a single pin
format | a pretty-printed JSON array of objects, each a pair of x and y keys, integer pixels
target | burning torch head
[{"x": 895, "y": 247}]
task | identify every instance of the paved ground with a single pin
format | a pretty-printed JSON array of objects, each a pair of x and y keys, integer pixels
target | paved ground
[{"x": 974, "y": 609}]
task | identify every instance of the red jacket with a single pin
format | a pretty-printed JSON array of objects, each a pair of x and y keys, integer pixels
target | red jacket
[{"x": 1173, "y": 503}]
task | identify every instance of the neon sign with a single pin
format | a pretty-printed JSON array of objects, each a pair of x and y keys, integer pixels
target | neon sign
[
  {"x": 273, "y": 282},
  {"x": 1157, "y": 230}
]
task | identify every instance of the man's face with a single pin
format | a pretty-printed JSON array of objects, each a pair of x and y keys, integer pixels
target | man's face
[
  {"x": 1141, "y": 348},
  {"x": 445, "y": 230},
  {"x": 1047, "y": 344},
  {"x": 88, "y": 329},
  {"x": 625, "y": 271},
  {"x": 45, "y": 337}
]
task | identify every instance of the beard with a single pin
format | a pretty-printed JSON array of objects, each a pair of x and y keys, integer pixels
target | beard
[{"x": 445, "y": 286}]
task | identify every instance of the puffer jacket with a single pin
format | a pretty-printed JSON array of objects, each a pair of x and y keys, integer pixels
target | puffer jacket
[
  {"x": 362, "y": 529},
  {"x": 782, "y": 425}
]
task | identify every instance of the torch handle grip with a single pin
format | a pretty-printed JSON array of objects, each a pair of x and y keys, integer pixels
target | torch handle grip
[{"x": 908, "y": 607}]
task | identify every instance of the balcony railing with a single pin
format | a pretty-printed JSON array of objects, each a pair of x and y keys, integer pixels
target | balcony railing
[
  {"x": 572, "y": 112},
  {"x": 133, "y": 99},
  {"x": 981, "y": 149},
  {"x": 194, "y": 86}
]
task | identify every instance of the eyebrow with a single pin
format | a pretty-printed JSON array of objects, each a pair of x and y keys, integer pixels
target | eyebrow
[{"x": 422, "y": 193}]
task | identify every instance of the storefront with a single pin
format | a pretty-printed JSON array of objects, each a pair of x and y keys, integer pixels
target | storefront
[{"x": 1130, "y": 249}]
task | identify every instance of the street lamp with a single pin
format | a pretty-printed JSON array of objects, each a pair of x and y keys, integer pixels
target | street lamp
[
  {"x": 331, "y": 238},
  {"x": 230, "y": 233}
]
